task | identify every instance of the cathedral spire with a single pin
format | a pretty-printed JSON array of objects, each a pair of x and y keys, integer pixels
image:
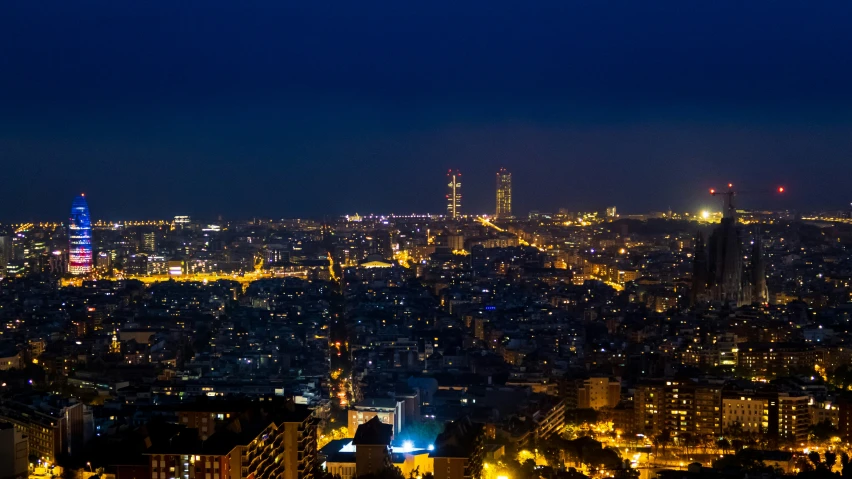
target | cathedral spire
[{"x": 760, "y": 293}]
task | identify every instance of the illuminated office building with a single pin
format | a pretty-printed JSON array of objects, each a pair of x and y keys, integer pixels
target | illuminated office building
[
  {"x": 149, "y": 242},
  {"x": 182, "y": 221},
  {"x": 453, "y": 194},
  {"x": 80, "y": 238},
  {"x": 504, "y": 193}
]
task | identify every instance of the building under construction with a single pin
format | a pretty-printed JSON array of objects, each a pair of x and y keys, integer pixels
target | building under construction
[{"x": 720, "y": 271}]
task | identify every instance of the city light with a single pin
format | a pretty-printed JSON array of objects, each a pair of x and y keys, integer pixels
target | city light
[{"x": 604, "y": 320}]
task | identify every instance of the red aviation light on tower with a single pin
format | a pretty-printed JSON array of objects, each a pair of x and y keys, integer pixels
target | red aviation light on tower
[
  {"x": 780, "y": 189},
  {"x": 712, "y": 191}
]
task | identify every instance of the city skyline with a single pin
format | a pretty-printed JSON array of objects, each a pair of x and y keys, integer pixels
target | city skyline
[
  {"x": 503, "y": 195},
  {"x": 272, "y": 267}
]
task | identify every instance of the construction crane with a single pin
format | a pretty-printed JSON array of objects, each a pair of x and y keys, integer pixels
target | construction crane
[{"x": 728, "y": 197}]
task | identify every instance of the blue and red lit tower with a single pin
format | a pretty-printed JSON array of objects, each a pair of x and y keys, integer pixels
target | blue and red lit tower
[{"x": 80, "y": 238}]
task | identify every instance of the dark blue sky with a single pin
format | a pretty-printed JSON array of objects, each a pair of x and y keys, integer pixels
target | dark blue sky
[{"x": 286, "y": 108}]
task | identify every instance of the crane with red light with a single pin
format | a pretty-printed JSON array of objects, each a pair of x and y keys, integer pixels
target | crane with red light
[{"x": 728, "y": 197}]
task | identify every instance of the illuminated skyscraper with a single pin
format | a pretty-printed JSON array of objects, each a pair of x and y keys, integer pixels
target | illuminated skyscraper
[
  {"x": 80, "y": 238},
  {"x": 149, "y": 242},
  {"x": 182, "y": 221},
  {"x": 504, "y": 193},
  {"x": 453, "y": 194}
]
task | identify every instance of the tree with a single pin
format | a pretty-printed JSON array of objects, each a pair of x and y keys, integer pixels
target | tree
[
  {"x": 685, "y": 440},
  {"x": 575, "y": 474},
  {"x": 392, "y": 472},
  {"x": 663, "y": 440},
  {"x": 822, "y": 431},
  {"x": 803, "y": 464},
  {"x": 327, "y": 475},
  {"x": 815, "y": 459},
  {"x": 846, "y": 472},
  {"x": 724, "y": 445},
  {"x": 553, "y": 455},
  {"x": 830, "y": 459},
  {"x": 527, "y": 469},
  {"x": 626, "y": 471},
  {"x": 735, "y": 431},
  {"x": 749, "y": 460},
  {"x": 737, "y": 444},
  {"x": 608, "y": 458},
  {"x": 707, "y": 440},
  {"x": 580, "y": 449},
  {"x": 582, "y": 416},
  {"x": 841, "y": 377},
  {"x": 422, "y": 432}
]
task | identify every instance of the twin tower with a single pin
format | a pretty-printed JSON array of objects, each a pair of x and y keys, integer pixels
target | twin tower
[{"x": 504, "y": 194}]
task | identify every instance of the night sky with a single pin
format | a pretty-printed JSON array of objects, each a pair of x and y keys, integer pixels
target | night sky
[{"x": 297, "y": 108}]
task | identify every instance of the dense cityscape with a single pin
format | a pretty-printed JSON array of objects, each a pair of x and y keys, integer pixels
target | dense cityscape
[
  {"x": 561, "y": 344},
  {"x": 479, "y": 239}
]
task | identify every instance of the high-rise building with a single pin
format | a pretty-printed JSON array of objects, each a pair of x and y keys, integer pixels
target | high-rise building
[
  {"x": 598, "y": 393},
  {"x": 611, "y": 212},
  {"x": 14, "y": 451},
  {"x": 699, "y": 271},
  {"x": 453, "y": 194},
  {"x": 182, "y": 221},
  {"x": 504, "y": 193},
  {"x": 149, "y": 242},
  {"x": 678, "y": 406},
  {"x": 5, "y": 252},
  {"x": 80, "y": 238},
  {"x": 281, "y": 446}
]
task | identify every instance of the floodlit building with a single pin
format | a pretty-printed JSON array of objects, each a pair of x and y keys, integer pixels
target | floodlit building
[
  {"x": 80, "y": 238},
  {"x": 388, "y": 410}
]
